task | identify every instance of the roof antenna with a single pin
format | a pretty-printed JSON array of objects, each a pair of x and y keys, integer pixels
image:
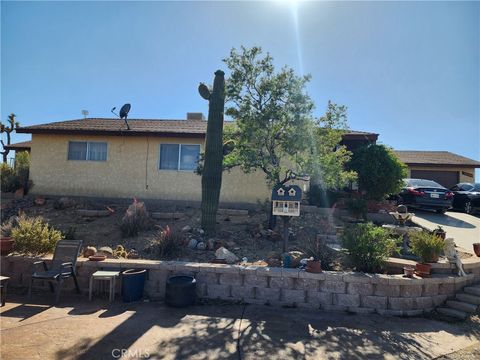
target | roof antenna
[
  {"x": 85, "y": 113},
  {"x": 123, "y": 113}
]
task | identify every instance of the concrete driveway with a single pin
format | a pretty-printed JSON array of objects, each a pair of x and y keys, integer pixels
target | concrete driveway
[
  {"x": 464, "y": 228},
  {"x": 96, "y": 330}
]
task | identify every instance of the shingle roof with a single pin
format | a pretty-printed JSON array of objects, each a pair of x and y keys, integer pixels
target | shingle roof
[
  {"x": 436, "y": 158},
  {"x": 19, "y": 146},
  {"x": 117, "y": 126},
  {"x": 154, "y": 127}
]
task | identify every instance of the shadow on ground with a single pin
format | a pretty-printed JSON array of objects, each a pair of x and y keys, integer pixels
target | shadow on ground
[{"x": 152, "y": 330}]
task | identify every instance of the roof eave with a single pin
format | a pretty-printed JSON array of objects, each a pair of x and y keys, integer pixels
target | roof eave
[{"x": 442, "y": 165}]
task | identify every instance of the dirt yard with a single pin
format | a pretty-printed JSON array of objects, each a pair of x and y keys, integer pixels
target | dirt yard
[{"x": 244, "y": 235}]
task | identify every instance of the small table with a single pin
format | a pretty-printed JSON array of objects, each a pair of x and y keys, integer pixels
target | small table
[
  {"x": 111, "y": 276},
  {"x": 3, "y": 288}
]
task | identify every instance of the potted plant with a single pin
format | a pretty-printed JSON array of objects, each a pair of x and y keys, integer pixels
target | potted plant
[
  {"x": 6, "y": 241},
  {"x": 440, "y": 232},
  {"x": 427, "y": 247}
]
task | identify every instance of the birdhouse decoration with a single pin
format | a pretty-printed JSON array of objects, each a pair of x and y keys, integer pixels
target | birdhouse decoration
[{"x": 286, "y": 200}]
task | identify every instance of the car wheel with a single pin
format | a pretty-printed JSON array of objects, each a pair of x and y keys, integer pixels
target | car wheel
[
  {"x": 441, "y": 211},
  {"x": 467, "y": 207}
]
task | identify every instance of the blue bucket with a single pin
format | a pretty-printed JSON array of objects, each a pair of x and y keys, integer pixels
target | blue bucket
[{"x": 133, "y": 282}]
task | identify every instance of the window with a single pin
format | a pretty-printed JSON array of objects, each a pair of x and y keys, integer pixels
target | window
[
  {"x": 87, "y": 150},
  {"x": 179, "y": 156}
]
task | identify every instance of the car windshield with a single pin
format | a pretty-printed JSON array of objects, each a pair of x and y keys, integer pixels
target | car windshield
[
  {"x": 423, "y": 183},
  {"x": 477, "y": 187}
]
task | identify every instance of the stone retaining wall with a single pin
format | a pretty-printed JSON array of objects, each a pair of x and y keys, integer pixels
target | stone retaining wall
[{"x": 343, "y": 291}]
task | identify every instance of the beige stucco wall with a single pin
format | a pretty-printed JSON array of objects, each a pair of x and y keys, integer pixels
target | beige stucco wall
[
  {"x": 131, "y": 169},
  {"x": 462, "y": 177}
]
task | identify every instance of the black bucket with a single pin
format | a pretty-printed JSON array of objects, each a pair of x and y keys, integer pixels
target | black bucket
[
  {"x": 181, "y": 291},
  {"x": 133, "y": 282}
]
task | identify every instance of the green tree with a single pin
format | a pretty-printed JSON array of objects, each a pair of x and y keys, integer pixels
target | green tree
[
  {"x": 272, "y": 113},
  {"x": 327, "y": 163},
  {"x": 380, "y": 172}
]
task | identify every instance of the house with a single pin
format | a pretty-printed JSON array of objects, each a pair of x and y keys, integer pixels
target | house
[
  {"x": 443, "y": 167},
  {"x": 154, "y": 159}
]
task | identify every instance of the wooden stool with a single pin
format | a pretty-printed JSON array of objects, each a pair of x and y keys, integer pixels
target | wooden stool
[
  {"x": 3, "y": 288},
  {"x": 111, "y": 276}
]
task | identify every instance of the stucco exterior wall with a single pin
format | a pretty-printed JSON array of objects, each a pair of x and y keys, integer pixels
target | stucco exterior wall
[
  {"x": 459, "y": 169},
  {"x": 131, "y": 169}
]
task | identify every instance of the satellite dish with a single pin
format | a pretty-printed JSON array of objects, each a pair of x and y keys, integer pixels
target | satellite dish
[{"x": 124, "y": 111}]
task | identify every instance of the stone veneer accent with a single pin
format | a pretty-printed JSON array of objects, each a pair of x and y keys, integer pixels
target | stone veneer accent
[{"x": 330, "y": 290}]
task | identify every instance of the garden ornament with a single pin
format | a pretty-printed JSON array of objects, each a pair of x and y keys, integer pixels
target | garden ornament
[{"x": 452, "y": 255}]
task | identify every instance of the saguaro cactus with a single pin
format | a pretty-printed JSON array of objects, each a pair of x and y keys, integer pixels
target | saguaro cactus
[{"x": 213, "y": 158}]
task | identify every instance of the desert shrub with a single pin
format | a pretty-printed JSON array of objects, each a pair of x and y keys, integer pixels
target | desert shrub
[
  {"x": 33, "y": 236},
  {"x": 321, "y": 197},
  {"x": 22, "y": 168},
  {"x": 316, "y": 247},
  {"x": 9, "y": 179},
  {"x": 167, "y": 243},
  {"x": 426, "y": 246},
  {"x": 8, "y": 226},
  {"x": 368, "y": 246},
  {"x": 135, "y": 219},
  {"x": 70, "y": 233},
  {"x": 380, "y": 173},
  {"x": 357, "y": 207}
]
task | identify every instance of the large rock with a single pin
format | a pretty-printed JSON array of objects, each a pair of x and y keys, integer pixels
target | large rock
[
  {"x": 105, "y": 250},
  {"x": 228, "y": 256}
]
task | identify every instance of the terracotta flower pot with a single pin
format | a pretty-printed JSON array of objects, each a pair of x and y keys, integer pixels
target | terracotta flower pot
[
  {"x": 408, "y": 271},
  {"x": 314, "y": 266},
  {"x": 423, "y": 269},
  {"x": 476, "y": 249},
  {"x": 6, "y": 245}
]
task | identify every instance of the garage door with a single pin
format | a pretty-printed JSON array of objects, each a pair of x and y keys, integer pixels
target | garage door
[{"x": 445, "y": 178}]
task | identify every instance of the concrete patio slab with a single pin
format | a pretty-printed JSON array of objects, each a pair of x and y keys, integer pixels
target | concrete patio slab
[
  {"x": 463, "y": 228},
  {"x": 79, "y": 329}
]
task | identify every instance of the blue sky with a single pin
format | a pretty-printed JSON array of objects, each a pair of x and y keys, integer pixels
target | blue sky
[{"x": 408, "y": 71}]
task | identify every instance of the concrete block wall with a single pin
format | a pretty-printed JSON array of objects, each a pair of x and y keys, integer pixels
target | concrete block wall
[{"x": 329, "y": 290}]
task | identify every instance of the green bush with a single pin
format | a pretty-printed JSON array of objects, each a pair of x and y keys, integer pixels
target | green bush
[
  {"x": 9, "y": 179},
  {"x": 22, "y": 168},
  {"x": 357, "y": 207},
  {"x": 33, "y": 236},
  {"x": 368, "y": 246},
  {"x": 426, "y": 246},
  {"x": 135, "y": 219},
  {"x": 380, "y": 173}
]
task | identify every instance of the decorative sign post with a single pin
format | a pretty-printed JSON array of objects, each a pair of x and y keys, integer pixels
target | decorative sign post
[{"x": 286, "y": 203}]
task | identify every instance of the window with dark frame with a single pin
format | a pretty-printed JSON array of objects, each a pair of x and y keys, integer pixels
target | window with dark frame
[
  {"x": 179, "y": 157},
  {"x": 87, "y": 151}
]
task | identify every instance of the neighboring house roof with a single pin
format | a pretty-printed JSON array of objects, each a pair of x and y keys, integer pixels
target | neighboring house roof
[
  {"x": 24, "y": 145},
  {"x": 434, "y": 158},
  {"x": 154, "y": 127}
]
